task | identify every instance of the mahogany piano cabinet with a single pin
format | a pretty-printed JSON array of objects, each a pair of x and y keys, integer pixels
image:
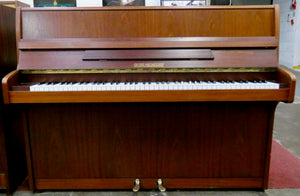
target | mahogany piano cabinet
[
  {"x": 162, "y": 97},
  {"x": 12, "y": 154}
]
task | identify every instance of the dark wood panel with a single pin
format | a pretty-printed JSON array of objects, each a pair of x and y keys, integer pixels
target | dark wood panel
[
  {"x": 148, "y": 183},
  {"x": 149, "y": 140},
  {"x": 14, "y": 135},
  {"x": 3, "y": 159},
  {"x": 139, "y": 77},
  {"x": 7, "y": 63},
  {"x": 218, "y": 138},
  {"x": 12, "y": 156},
  {"x": 148, "y": 22},
  {"x": 8, "y": 52},
  {"x": 147, "y": 54},
  {"x": 3, "y": 181}
]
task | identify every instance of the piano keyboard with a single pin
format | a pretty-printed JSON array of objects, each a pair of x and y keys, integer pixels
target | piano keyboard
[{"x": 133, "y": 86}]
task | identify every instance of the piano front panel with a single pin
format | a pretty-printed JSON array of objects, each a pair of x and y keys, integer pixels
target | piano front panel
[
  {"x": 73, "y": 59},
  {"x": 144, "y": 140},
  {"x": 148, "y": 22}
]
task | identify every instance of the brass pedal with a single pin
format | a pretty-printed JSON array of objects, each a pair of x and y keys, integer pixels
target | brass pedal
[
  {"x": 160, "y": 186},
  {"x": 136, "y": 186}
]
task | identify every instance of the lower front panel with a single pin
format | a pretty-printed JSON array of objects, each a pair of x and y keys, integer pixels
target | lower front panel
[{"x": 188, "y": 145}]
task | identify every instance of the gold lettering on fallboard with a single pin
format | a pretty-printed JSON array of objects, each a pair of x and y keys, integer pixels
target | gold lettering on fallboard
[{"x": 145, "y": 65}]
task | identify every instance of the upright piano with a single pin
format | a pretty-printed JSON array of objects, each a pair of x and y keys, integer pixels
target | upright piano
[{"x": 148, "y": 97}]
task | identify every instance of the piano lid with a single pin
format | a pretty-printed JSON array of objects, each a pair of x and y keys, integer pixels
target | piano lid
[{"x": 144, "y": 22}]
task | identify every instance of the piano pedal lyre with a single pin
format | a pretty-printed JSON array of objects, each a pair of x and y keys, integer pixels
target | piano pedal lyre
[
  {"x": 160, "y": 186},
  {"x": 136, "y": 186}
]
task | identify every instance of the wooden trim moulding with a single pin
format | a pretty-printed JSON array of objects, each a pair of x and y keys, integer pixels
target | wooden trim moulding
[
  {"x": 146, "y": 96},
  {"x": 170, "y": 42},
  {"x": 237, "y": 7},
  {"x": 148, "y": 183}
]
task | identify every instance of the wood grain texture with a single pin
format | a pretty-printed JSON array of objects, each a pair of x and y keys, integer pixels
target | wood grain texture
[
  {"x": 269, "y": 147},
  {"x": 148, "y": 22},
  {"x": 73, "y": 59},
  {"x": 7, "y": 81},
  {"x": 7, "y": 63},
  {"x": 12, "y": 156},
  {"x": 8, "y": 55},
  {"x": 286, "y": 75},
  {"x": 147, "y": 96},
  {"x": 149, "y": 140}
]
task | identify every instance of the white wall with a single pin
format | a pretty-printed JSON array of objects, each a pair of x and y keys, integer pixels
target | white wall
[
  {"x": 88, "y": 3},
  {"x": 289, "y": 49},
  {"x": 297, "y": 36}
]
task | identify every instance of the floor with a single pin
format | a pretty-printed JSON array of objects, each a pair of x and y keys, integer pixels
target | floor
[{"x": 286, "y": 132}]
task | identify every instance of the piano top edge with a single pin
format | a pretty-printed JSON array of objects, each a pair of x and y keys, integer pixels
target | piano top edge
[
  {"x": 188, "y": 38},
  {"x": 137, "y": 8},
  {"x": 149, "y": 42},
  {"x": 149, "y": 70}
]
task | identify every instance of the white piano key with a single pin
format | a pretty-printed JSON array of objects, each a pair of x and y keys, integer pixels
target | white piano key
[{"x": 34, "y": 87}]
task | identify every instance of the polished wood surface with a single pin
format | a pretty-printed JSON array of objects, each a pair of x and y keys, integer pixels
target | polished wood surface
[
  {"x": 147, "y": 96},
  {"x": 42, "y": 49},
  {"x": 148, "y": 22},
  {"x": 73, "y": 59},
  {"x": 16, "y": 93},
  {"x": 12, "y": 156},
  {"x": 7, "y": 63},
  {"x": 8, "y": 49},
  {"x": 158, "y": 42},
  {"x": 136, "y": 142},
  {"x": 107, "y": 139}
]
